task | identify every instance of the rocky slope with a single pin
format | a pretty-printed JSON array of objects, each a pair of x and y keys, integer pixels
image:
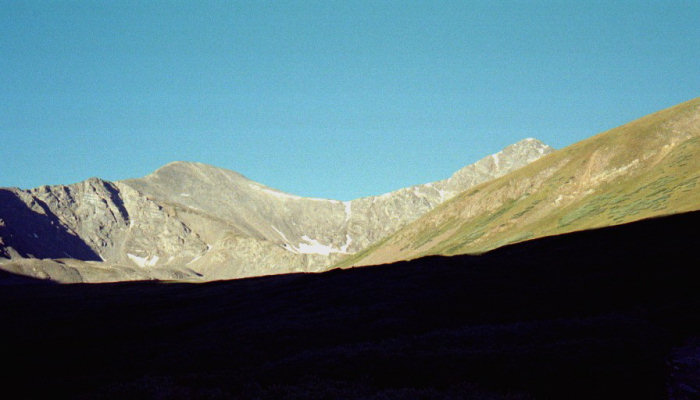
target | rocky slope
[
  {"x": 646, "y": 168},
  {"x": 195, "y": 221}
]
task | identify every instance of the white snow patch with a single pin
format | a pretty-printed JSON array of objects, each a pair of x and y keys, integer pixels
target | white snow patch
[
  {"x": 185, "y": 194},
  {"x": 314, "y": 247},
  {"x": 286, "y": 245},
  {"x": 496, "y": 159},
  {"x": 143, "y": 261},
  {"x": 344, "y": 248},
  {"x": 348, "y": 210},
  {"x": 140, "y": 261},
  {"x": 280, "y": 233}
]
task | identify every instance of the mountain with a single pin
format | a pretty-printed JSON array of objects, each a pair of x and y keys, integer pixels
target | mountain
[
  {"x": 648, "y": 167},
  {"x": 192, "y": 221}
]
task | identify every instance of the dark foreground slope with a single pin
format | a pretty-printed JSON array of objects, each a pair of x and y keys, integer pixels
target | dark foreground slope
[{"x": 595, "y": 314}]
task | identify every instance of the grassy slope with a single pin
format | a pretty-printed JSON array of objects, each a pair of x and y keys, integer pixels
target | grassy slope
[{"x": 645, "y": 168}]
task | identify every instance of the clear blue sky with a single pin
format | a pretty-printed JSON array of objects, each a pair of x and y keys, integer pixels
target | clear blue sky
[{"x": 322, "y": 98}]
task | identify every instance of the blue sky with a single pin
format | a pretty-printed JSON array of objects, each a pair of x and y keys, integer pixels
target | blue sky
[{"x": 321, "y": 98}]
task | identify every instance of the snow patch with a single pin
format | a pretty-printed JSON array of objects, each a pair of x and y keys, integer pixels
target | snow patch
[
  {"x": 185, "y": 194},
  {"x": 496, "y": 160},
  {"x": 280, "y": 233},
  {"x": 348, "y": 241},
  {"x": 348, "y": 210},
  {"x": 314, "y": 247},
  {"x": 286, "y": 245},
  {"x": 143, "y": 261}
]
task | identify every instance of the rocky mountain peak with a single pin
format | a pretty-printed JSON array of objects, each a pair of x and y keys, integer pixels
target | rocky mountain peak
[{"x": 512, "y": 157}]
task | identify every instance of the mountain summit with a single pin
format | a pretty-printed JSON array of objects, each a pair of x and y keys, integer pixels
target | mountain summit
[{"x": 194, "y": 221}]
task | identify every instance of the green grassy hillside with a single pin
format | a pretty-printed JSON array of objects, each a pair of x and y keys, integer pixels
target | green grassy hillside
[{"x": 646, "y": 168}]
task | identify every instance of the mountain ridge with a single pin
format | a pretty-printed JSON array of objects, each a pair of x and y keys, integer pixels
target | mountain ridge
[{"x": 189, "y": 220}]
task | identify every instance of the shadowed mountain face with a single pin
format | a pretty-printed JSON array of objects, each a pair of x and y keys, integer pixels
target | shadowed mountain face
[
  {"x": 195, "y": 221},
  {"x": 609, "y": 313},
  {"x": 29, "y": 229},
  {"x": 646, "y": 168}
]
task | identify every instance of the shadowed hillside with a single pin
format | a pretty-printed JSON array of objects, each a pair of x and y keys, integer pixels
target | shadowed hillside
[
  {"x": 593, "y": 314},
  {"x": 24, "y": 230}
]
